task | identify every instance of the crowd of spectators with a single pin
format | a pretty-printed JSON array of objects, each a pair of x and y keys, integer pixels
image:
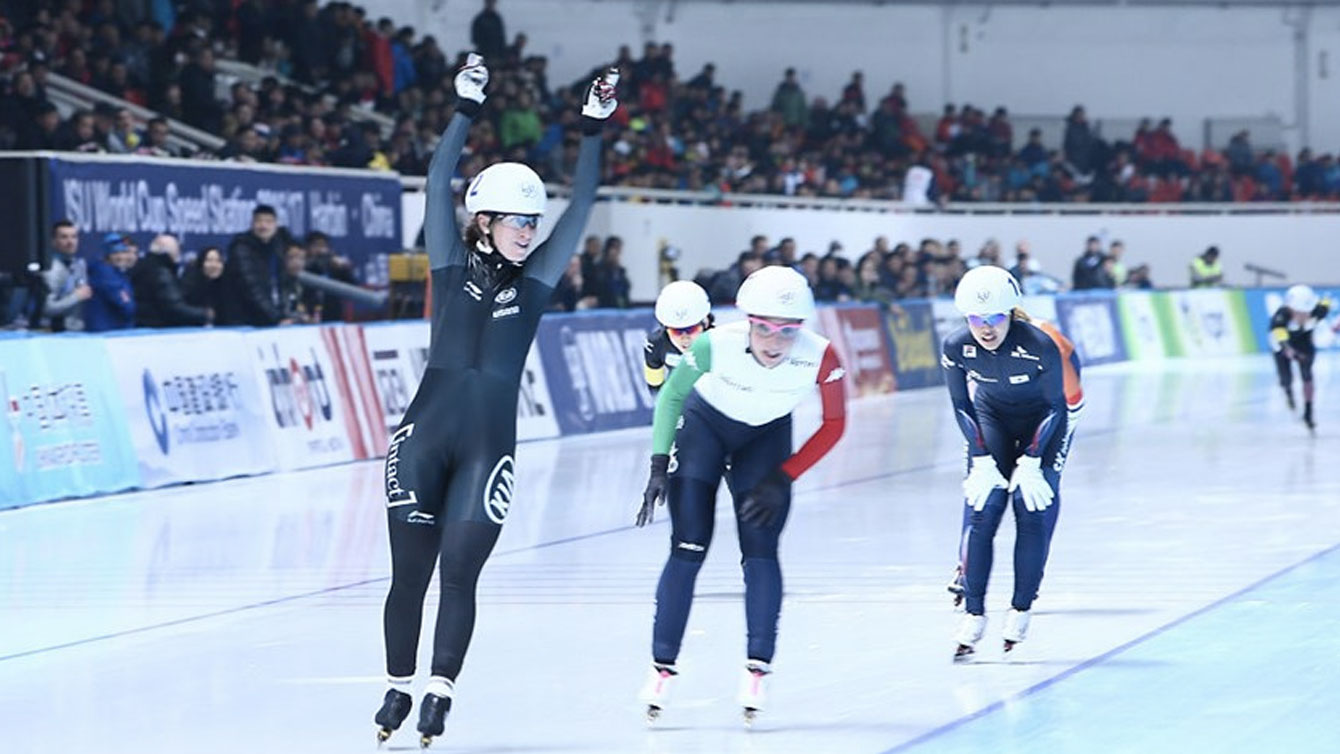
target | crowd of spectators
[
  {"x": 887, "y": 273},
  {"x": 255, "y": 281},
  {"x": 679, "y": 132},
  {"x": 595, "y": 278}
]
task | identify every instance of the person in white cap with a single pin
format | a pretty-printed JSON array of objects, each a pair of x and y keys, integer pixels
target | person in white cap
[
  {"x": 684, "y": 313},
  {"x": 1015, "y": 389},
  {"x": 1291, "y": 340},
  {"x": 730, "y": 400},
  {"x": 450, "y": 475}
]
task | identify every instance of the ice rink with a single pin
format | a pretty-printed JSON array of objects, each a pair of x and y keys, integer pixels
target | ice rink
[{"x": 1191, "y": 604}]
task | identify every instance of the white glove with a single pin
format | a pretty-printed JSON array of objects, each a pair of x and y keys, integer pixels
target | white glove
[
  {"x": 472, "y": 78},
  {"x": 600, "y": 101},
  {"x": 1072, "y": 415},
  {"x": 1032, "y": 486},
  {"x": 983, "y": 478}
]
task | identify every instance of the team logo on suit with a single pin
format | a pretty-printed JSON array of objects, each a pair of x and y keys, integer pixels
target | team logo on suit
[{"x": 499, "y": 490}]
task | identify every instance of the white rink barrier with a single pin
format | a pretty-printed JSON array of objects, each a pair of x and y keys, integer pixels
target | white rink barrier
[{"x": 89, "y": 414}]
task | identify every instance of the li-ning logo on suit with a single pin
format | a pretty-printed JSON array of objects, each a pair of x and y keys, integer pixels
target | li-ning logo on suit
[{"x": 499, "y": 490}]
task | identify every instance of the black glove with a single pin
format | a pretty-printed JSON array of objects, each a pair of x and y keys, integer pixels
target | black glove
[
  {"x": 655, "y": 493},
  {"x": 764, "y": 503}
]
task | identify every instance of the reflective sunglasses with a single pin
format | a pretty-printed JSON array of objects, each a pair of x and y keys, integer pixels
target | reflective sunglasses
[
  {"x": 990, "y": 320},
  {"x": 766, "y": 329},
  {"x": 519, "y": 221},
  {"x": 682, "y": 331}
]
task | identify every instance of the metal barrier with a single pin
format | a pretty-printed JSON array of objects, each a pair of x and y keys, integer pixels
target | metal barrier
[{"x": 79, "y": 95}]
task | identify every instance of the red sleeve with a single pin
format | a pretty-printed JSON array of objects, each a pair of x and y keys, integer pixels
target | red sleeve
[{"x": 832, "y": 381}]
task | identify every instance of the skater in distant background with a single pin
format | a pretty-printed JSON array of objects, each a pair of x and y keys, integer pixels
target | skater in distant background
[
  {"x": 1291, "y": 338},
  {"x": 450, "y": 476},
  {"x": 684, "y": 313},
  {"x": 730, "y": 400},
  {"x": 1016, "y": 395}
]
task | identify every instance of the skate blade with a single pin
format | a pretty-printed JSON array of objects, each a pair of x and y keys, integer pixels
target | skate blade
[
  {"x": 653, "y": 714},
  {"x": 964, "y": 654},
  {"x": 750, "y": 715},
  {"x": 382, "y": 735},
  {"x": 425, "y": 742}
]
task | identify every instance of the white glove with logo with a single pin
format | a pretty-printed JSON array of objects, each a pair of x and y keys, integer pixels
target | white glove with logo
[
  {"x": 983, "y": 477},
  {"x": 1032, "y": 486},
  {"x": 600, "y": 100},
  {"x": 472, "y": 78}
]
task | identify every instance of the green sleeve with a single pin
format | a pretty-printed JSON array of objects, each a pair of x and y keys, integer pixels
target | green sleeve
[{"x": 670, "y": 402}]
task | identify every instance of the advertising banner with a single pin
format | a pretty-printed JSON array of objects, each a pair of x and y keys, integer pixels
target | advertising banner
[
  {"x": 593, "y": 366},
  {"x": 307, "y": 414},
  {"x": 1206, "y": 322},
  {"x": 1090, "y": 322},
  {"x": 194, "y": 407},
  {"x": 204, "y": 204},
  {"x": 858, "y": 334},
  {"x": 916, "y": 348},
  {"x": 1140, "y": 328},
  {"x": 65, "y": 428},
  {"x": 397, "y": 353}
]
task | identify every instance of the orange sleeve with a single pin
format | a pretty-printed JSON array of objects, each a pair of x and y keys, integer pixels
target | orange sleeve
[{"x": 1074, "y": 392}]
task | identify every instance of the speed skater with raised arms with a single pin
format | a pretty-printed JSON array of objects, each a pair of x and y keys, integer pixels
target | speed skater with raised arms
[{"x": 450, "y": 473}]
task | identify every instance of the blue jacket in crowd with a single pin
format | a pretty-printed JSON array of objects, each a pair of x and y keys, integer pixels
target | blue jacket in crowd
[{"x": 113, "y": 304}]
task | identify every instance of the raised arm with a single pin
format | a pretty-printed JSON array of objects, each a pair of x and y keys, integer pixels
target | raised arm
[
  {"x": 440, "y": 233},
  {"x": 548, "y": 261}
]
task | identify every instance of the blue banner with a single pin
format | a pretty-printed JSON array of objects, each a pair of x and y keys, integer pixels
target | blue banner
[
  {"x": 915, "y": 345},
  {"x": 594, "y": 366},
  {"x": 206, "y": 205},
  {"x": 1090, "y": 321},
  {"x": 65, "y": 427}
]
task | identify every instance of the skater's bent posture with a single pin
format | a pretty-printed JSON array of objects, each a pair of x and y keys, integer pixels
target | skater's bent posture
[
  {"x": 1291, "y": 339},
  {"x": 450, "y": 477},
  {"x": 1016, "y": 394},
  {"x": 730, "y": 400}
]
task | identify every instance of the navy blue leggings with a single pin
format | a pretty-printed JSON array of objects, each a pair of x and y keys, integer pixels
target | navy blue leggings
[
  {"x": 1033, "y": 529},
  {"x": 703, "y": 445}
]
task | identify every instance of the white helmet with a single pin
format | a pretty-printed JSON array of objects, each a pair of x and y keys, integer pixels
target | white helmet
[
  {"x": 682, "y": 304},
  {"x": 987, "y": 290},
  {"x": 776, "y": 292},
  {"x": 507, "y": 188},
  {"x": 1300, "y": 298}
]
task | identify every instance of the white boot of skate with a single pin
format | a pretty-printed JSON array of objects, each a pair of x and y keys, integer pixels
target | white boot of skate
[
  {"x": 970, "y": 631},
  {"x": 1016, "y": 627},
  {"x": 753, "y": 695},
  {"x": 657, "y": 690}
]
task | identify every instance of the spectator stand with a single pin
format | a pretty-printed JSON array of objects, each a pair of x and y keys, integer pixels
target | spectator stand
[
  {"x": 69, "y": 96},
  {"x": 230, "y": 72}
]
